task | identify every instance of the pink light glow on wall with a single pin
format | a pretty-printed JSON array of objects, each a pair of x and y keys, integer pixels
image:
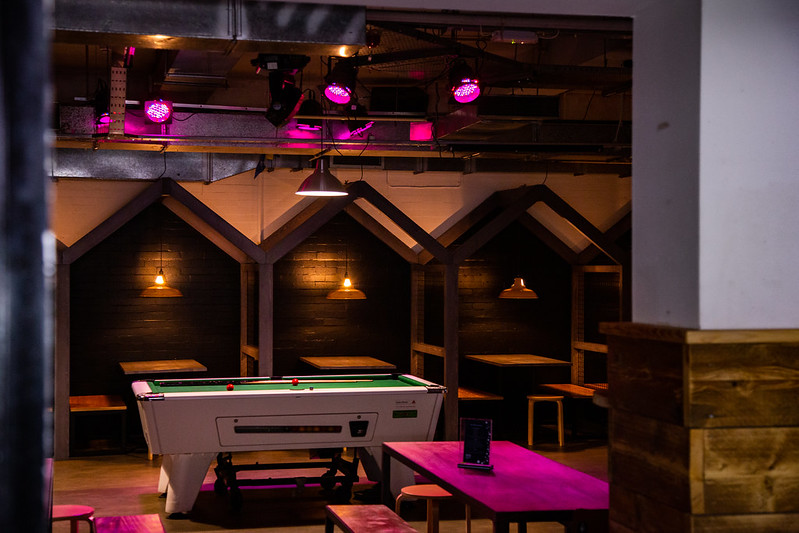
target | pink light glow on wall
[{"x": 421, "y": 131}]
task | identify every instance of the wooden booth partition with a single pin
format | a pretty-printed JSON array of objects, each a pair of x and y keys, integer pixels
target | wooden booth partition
[{"x": 704, "y": 429}]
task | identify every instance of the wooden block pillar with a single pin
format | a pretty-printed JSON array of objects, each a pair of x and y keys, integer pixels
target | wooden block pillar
[{"x": 704, "y": 429}]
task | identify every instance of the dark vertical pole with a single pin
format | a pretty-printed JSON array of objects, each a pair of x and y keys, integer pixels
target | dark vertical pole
[
  {"x": 25, "y": 322},
  {"x": 451, "y": 348},
  {"x": 417, "y": 318},
  {"x": 266, "y": 319}
]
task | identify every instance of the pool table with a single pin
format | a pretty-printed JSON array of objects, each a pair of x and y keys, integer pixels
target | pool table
[{"x": 190, "y": 421}]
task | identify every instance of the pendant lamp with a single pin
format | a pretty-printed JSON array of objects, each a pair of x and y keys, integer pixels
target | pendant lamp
[
  {"x": 518, "y": 291},
  {"x": 161, "y": 289},
  {"x": 321, "y": 182},
  {"x": 346, "y": 291}
]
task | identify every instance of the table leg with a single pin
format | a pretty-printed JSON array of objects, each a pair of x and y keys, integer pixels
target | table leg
[{"x": 385, "y": 481}]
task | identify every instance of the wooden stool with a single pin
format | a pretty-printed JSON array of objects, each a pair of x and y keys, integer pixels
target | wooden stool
[
  {"x": 432, "y": 493},
  {"x": 74, "y": 513},
  {"x": 530, "y": 407}
]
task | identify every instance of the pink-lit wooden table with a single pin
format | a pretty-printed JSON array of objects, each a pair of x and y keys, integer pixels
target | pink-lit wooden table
[{"x": 523, "y": 486}]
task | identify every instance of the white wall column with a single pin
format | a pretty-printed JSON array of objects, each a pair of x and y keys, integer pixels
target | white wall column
[{"x": 715, "y": 188}]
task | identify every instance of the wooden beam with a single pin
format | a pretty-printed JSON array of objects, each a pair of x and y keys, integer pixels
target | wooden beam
[
  {"x": 617, "y": 230},
  {"x": 206, "y": 230},
  {"x": 429, "y": 349},
  {"x": 378, "y": 230},
  {"x": 591, "y": 347},
  {"x": 295, "y": 222},
  {"x": 451, "y": 349},
  {"x": 206, "y": 220},
  {"x": 322, "y": 213},
  {"x": 146, "y": 198},
  {"x": 266, "y": 318},
  {"x": 417, "y": 319},
  {"x": 527, "y": 197},
  {"x": 581, "y": 224},
  {"x": 463, "y": 225},
  {"x": 548, "y": 238},
  {"x": 402, "y": 220}
]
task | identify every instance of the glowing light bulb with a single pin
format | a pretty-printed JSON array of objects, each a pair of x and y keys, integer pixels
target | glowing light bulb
[{"x": 347, "y": 282}]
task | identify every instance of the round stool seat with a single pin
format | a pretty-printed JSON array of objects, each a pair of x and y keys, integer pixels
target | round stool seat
[
  {"x": 73, "y": 513},
  {"x": 426, "y": 491},
  {"x": 432, "y": 493}
]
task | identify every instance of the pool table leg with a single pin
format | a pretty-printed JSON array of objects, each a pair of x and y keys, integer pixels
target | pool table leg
[{"x": 184, "y": 475}]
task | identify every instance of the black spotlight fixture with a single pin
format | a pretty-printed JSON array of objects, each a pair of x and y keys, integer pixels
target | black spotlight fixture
[
  {"x": 340, "y": 83},
  {"x": 285, "y": 100}
]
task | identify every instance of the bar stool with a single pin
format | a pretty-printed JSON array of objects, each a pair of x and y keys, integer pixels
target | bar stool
[
  {"x": 531, "y": 400},
  {"x": 433, "y": 494},
  {"x": 74, "y": 513}
]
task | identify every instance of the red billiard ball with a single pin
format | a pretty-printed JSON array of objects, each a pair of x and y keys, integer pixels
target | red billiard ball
[
  {"x": 230, "y": 386},
  {"x": 295, "y": 381}
]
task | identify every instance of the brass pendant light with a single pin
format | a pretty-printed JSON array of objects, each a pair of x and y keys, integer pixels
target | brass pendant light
[
  {"x": 160, "y": 289},
  {"x": 346, "y": 291},
  {"x": 518, "y": 291}
]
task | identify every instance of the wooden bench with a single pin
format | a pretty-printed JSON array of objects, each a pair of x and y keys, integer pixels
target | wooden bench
[
  {"x": 365, "y": 519},
  {"x": 587, "y": 391},
  {"x": 570, "y": 390},
  {"x": 96, "y": 404},
  {"x": 467, "y": 394},
  {"x": 140, "y": 523}
]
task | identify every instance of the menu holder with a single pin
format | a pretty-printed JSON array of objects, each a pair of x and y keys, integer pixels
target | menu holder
[{"x": 476, "y": 437}]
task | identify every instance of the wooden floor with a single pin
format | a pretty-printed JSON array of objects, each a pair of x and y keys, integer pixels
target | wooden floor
[{"x": 127, "y": 484}]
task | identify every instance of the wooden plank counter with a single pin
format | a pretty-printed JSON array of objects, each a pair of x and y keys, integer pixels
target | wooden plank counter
[
  {"x": 517, "y": 359},
  {"x": 348, "y": 363},
  {"x": 161, "y": 366}
]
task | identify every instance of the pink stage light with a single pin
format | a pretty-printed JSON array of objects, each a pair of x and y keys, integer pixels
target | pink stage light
[
  {"x": 158, "y": 111},
  {"x": 337, "y": 95},
  {"x": 341, "y": 83},
  {"x": 467, "y": 91}
]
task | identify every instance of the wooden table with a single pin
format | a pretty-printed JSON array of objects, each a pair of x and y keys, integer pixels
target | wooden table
[
  {"x": 523, "y": 486},
  {"x": 162, "y": 366},
  {"x": 348, "y": 363},
  {"x": 517, "y": 359}
]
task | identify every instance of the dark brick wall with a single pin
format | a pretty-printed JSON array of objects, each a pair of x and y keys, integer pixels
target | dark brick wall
[
  {"x": 488, "y": 324},
  {"x": 111, "y": 323},
  {"x": 308, "y": 324}
]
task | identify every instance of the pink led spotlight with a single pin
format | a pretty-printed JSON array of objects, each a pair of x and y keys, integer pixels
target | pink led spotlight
[
  {"x": 341, "y": 83},
  {"x": 158, "y": 111},
  {"x": 467, "y": 91},
  {"x": 337, "y": 95},
  {"x": 463, "y": 84}
]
